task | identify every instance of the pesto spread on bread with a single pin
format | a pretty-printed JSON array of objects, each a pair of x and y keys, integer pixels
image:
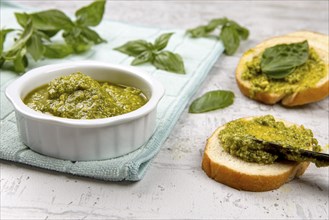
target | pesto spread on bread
[
  {"x": 303, "y": 77},
  {"x": 237, "y": 138},
  {"x": 78, "y": 96}
]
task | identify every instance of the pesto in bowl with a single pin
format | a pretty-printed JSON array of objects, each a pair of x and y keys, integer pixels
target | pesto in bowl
[
  {"x": 78, "y": 96},
  {"x": 85, "y": 139}
]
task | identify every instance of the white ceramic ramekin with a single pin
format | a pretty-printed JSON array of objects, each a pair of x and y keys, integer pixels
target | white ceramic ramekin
[{"x": 95, "y": 139}]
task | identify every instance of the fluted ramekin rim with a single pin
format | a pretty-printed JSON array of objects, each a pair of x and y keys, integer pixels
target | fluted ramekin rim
[{"x": 14, "y": 89}]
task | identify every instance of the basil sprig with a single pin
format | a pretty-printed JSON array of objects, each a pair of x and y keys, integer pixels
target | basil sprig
[
  {"x": 38, "y": 29},
  {"x": 279, "y": 61},
  {"x": 230, "y": 33},
  {"x": 145, "y": 52},
  {"x": 212, "y": 100}
]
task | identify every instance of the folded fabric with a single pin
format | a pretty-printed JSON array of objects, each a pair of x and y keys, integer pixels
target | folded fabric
[{"x": 199, "y": 55}]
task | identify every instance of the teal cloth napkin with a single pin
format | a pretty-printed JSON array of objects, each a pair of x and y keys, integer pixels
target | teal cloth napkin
[{"x": 199, "y": 56}]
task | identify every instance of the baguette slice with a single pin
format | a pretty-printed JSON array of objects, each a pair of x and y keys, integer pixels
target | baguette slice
[
  {"x": 239, "y": 174},
  {"x": 312, "y": 94}
]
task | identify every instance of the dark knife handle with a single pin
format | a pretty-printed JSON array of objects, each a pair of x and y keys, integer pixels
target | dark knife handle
[{"x": 320, "y": 159}]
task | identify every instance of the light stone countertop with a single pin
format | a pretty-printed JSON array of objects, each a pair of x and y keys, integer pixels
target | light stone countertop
[{"x": 175, "y": 187}]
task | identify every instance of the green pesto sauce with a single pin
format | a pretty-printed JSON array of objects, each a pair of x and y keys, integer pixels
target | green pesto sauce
[
  {"x": 236, "y": 138},
  {"x": 303, "y": 77},
  {"x": 78, "y": 96}
]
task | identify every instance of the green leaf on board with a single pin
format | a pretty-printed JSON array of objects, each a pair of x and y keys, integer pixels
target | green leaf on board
[
  {"x": 134, "y": 48},
  {"x": 144, "y": 52},
  {"x": 91, "y": 15},
  {"x": 144, "y": 57},
  {"x": 162, "y": 41},
  {"x": 171, "y": 62}
]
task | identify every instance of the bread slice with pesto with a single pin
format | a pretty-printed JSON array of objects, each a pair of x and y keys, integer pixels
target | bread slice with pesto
[
  {"x": 231, "y": 170},
  {"x": 310, "y": 87}
]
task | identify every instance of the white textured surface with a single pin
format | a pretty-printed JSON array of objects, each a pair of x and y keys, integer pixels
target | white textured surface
[{"x": 175, "y": 186}]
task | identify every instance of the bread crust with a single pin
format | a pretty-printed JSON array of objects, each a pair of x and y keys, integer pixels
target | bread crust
[
  {"x": 313, "y": 94},
  {"x": 236, "y": 178}
]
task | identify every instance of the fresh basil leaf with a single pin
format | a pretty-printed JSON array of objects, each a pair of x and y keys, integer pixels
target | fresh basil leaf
[
  {"x": 44, "y": 36},
  {"x": 20, "y": 61},
  {"x": 243, "y": 32},
  {"x": 92, "y": 35},
  {"x": 280, "y": 60},
  {"x": 2, "y": 61},
  {"x": 3, "y": 34},
  {"x": 204, "y": 30},
  {"x": 214, "y": 23},
  {"x": 200, "y": 31},
  {"x": 82, "y": 47},
  {"x": 91, "y": 15},
  {"x": 134, "y": 48},
  {"x": 146, "y": 56},
  {"x": 22, "y": 18},
  {"x": 230, "y": 38},
  {"x": 169, "y": 61},
  {"x": 35, "y": 47},
  {"x": 49, "y": 20},
  {"x": 212, "y": 100},
  {"x": 57, "y": 50},
  {"x": 162, "y": 41},
  {"x": 144, "y": 51},
  {"x": 76, "y": 40},
  {"x": 20, "y": 43},
  {"x": 280, "y": 74},
  {"x": 230, "y": 33},
  {"x": 48, "y": 33}
]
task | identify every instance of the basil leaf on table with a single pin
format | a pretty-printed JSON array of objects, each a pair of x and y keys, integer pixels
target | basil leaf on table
[
  {"x": 57, "y": 50},
  {"x": 214, "y": 23},
  {"x": 200, "y": 31},
  {"x": 280, "y": 60},
  {"x": 243, "y": 32},
  {"x": 3, "y": 34},
  {"x": 92, "y": 14},
  {"x": 46, "y": 20},
  {"x": 91, "y": 35},
  {"x": 35, "y": 47},
  {"x": 75, "y": 38},
  {"x": 212, "y": 100},
  {"x": 169, "y": 61},
  {"x": 162, "y": 41},
  {"x": 20, "y": 61},
  {"x": 144, "y": 52},
  {"x": 18, "y": 50},
  {"x": 144, "y": 57},
  {"x": 40, "y": 27},
  {"x": 231, "y": 40},
  {"x": 230, "y": 33},
  {"x": 134, "y": 48}
]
